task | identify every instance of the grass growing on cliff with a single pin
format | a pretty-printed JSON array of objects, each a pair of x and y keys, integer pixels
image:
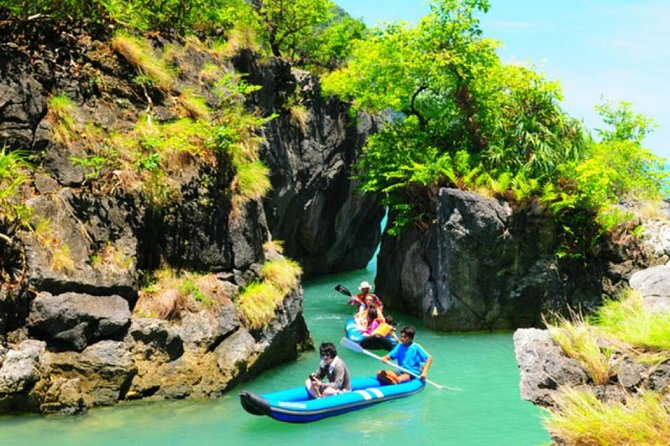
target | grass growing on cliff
[
  {"x": 258, "y": 301},
  {"x": 283, "y": 274},
  {"x": 619, "y": 326},
  {"x": 139, "y": 53},
  {"x": 171, "y": 292},
  {"x": 581, "y": 342},
  {"x": 61, "y": 114},
  {"x": 257, "y": 304},
  {"x": 59, "y": 252},
  {"x": 14, "y": 175},
  {"x": 582, "y": 419},
  {"x": 627, "y": 320}
]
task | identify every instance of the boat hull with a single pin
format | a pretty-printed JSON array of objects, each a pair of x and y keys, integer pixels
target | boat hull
[
  {"x": 296, "y": 406},
  {"x": 367, "y": 342}
]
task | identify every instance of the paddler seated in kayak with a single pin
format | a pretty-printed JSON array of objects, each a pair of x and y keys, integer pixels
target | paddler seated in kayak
[
  {"x": 370, "y": 321},
  {"x": 361, "y": 317},
  {"x": 360, "y": 298},
  {"x": 331, "y": 367},
  {"x": 385, "y": 329},
  {"x": 409, "y": 355}
]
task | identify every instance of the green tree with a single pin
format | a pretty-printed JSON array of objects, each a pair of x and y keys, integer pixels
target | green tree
[
  {"x": 449, "y": 94},
  {"x": 627, "y": 125},
  {"x": 285, "y": 23},
  {"x": 332, "y": 42}
]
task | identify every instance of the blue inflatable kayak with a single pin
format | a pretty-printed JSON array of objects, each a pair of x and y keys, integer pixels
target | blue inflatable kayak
[
  {"x": 296, "y": 406},
  {"x": 368, "y": 342}
]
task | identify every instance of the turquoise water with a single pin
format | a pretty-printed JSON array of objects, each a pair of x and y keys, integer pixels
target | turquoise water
[{"x": 488, "y": 412}]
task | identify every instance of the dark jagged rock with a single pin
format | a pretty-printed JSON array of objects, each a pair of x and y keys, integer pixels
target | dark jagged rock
[
  {"x": 543, "y": 366},
  {"x": 545, "y": 369},
  {"x": 93, "y": 238},
  {"x": 486, "y": 266},
  {"x": 153, "y": 336},
  {"x": 314, "y": 206},
  {"x": 22, "y": 105},
  {"x": 74, "y": 321},
  {"x": 82, "y": 226}
]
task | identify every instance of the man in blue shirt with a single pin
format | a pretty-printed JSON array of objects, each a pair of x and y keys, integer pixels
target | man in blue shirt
[{"x": 408, "y": 355}]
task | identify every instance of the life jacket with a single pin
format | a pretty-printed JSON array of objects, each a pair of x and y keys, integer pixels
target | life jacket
[{"x": 383, "y": 329}]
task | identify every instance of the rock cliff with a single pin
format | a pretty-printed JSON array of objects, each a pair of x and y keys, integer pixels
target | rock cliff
[
  {"x": 483, "y": 265},
  {"x": 73, "y": 335}
]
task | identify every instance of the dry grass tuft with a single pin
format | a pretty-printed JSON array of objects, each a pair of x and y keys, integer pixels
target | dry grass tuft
[
  {"x": 59, "y": 252},
  {"x": 258, "y": 301},
  {"x": 284, "y": 274},
  {"x": 580, "y": 341},
  {"x": 61, "y": 114},
  {"x": 300, "y": 117},
  {"x": 172, "y": 293},
  {"x": 582, "y": 419},
  {"x": 139, "y": 53}
]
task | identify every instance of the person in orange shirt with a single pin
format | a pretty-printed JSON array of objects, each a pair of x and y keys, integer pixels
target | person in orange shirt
[{"x": 359, "y": 299}]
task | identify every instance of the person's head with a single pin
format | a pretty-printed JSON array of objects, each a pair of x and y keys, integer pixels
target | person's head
[
  {"x": 365, "y": 287},
  {"x": 389, "y": 320},
  {"x": 369, "y": 300},
  {"x": 407, "y": 334},
  {"x": 327, "y": 351},
  {"x": 372, "y": 313}
]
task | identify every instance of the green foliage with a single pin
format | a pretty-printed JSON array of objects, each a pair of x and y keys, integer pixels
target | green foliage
[
  {"x": 189, "y": 287},
  {"x": 331, "y": 44},
  {"x": 627, "y": 125},
  {"x": 580, "y": 418},
  {"x": 286, "y": 23},
  {"x": 456, "y": 103},
  {"x": 14, "y": 175},
  {"x": 93, "y": 165},
  {"x": 139, "y": 53},
  {"x": 629, "y": 321},
  {"x": 461, "y": 118},
  {"x": 61, "y": 9}
]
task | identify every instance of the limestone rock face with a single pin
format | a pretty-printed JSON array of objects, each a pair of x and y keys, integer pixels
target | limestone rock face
[
  {"x": 654, "y": 286},
  {"x": 480, "y": 267},
  {"x": 93, "y": 239},
  {"x": 82, "y": 226},
  {"x": 543, "y": 366},
  {"x": 484, "y": 266},
  {"x": 78, "y": 320},
  {"x": 314, "y": 206}
]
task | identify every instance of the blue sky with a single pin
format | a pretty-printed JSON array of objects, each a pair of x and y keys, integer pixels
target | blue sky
[{"x": 613, "y": 49}]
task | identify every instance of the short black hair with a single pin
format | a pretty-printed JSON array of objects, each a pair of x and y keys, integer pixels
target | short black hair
[
  {"x": 327, "y": 349},
  {"x": 389, "y": 320},
  {"x": 409, "y": 331}
]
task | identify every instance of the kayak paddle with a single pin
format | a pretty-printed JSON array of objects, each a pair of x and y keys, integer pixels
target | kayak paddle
[
  {"x": 351, "y": 345},
  {"x": 342, "y": 289}
]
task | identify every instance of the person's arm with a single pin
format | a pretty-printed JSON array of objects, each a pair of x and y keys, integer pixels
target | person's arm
[
  {"x": 426, "y": 359},
  {"x": 426, "y": 366},
  {"x": 393, "y": 354}
]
